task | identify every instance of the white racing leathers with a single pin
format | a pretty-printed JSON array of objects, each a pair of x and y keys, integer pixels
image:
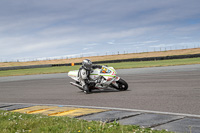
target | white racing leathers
[
  {"x": 84, "y": 77},
  {"x": 101, "y": 77}
]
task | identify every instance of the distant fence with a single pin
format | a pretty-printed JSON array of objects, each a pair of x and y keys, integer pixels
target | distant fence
[
  {"x": 108, "y": 61},
  {"x": 105, "y": 53},
  {"x": 24, "y": 67}
]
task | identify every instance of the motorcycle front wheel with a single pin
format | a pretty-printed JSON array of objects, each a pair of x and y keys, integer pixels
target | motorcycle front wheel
[{"x": 122, "y": 85}]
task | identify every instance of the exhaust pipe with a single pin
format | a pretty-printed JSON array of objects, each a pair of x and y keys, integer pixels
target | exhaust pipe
[{"x": 77, "y": 85}]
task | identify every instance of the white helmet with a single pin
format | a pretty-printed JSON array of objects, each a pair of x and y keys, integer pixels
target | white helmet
[{"x": 87, "y": 64}]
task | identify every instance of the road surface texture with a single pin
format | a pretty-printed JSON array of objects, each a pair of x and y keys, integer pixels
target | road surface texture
[
  {"x": 160, "y": 97},
  {"x": 166, "y": 89}
]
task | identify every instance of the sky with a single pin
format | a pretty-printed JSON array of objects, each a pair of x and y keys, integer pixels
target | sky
[{"x": 32, "y": 29}]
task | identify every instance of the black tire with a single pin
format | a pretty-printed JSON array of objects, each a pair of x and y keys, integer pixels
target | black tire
[{"x": 122, "y": 85}]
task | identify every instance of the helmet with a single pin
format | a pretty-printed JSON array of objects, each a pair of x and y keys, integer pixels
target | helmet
[{"x": 87, "y": 64}]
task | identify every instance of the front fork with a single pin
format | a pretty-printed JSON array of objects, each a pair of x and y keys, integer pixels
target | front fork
[
  {"x": 114, "y": 83},
  {"x": 107, "y": 83},
  {"x": 117, "y": 78}
]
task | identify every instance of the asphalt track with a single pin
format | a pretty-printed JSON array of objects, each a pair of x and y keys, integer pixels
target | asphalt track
[{"x": 166, "y": 89}]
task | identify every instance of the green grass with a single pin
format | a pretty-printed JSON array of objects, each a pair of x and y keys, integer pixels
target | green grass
[
  {"x": 46, "y": 70},
  {"x": 11, "y": 122},
  {"x": 141, "y": 64},
  {"x": 124, "y": 65}
]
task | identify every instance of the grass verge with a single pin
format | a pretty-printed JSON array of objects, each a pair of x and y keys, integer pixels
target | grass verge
[
  {"x": 11, "y": 122},
  {"x": 123, "y": 65}
]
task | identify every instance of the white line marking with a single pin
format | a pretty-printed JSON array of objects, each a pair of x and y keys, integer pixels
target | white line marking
[{"x": 110, "y": 108}]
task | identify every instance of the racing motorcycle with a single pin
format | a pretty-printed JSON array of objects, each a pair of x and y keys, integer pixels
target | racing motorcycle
[{"x": 106, "y": 76}]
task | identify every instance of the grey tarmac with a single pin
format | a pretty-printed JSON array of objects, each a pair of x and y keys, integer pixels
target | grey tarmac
[{"x": 174, "y": 89}]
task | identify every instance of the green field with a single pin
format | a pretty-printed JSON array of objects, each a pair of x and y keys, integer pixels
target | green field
[
  {"x": 123, "y": 65},
  {"x": 11, "y": 122}
]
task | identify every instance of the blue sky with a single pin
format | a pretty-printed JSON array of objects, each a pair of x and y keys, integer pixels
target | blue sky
[{"x": 31, "y": 29}]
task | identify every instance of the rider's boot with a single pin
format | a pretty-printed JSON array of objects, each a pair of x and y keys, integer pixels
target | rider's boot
[{"x": 86, "y": 89}]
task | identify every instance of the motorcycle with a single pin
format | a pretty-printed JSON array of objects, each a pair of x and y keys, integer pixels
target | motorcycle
[{"x": 106, "y": 77}]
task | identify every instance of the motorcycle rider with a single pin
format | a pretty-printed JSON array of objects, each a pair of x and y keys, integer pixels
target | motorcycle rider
[{"x": 84, "y": 74}]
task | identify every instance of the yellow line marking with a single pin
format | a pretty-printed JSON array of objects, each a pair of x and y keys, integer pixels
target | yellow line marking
[
  {"x": 34, "y": 109},
  {"x": 79, "y": 112},
  {"x": 60, "y": 113},
  {"x": 37, "y": 111},
  {"x": 20, "y": 110},
  {"x": 57, "y": 110}
]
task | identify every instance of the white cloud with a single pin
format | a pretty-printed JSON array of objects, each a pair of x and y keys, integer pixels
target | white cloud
[
  {"x": 49, "y": 28},
  {"x": 93, "y": 44},
  {"x": 111, "y": 42},
  {"x": 146, "y": 42},
  {"x": 188, "y": 29},
  {"x": 87, "y": 48},
  {"x": 161, "y": 45}
]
